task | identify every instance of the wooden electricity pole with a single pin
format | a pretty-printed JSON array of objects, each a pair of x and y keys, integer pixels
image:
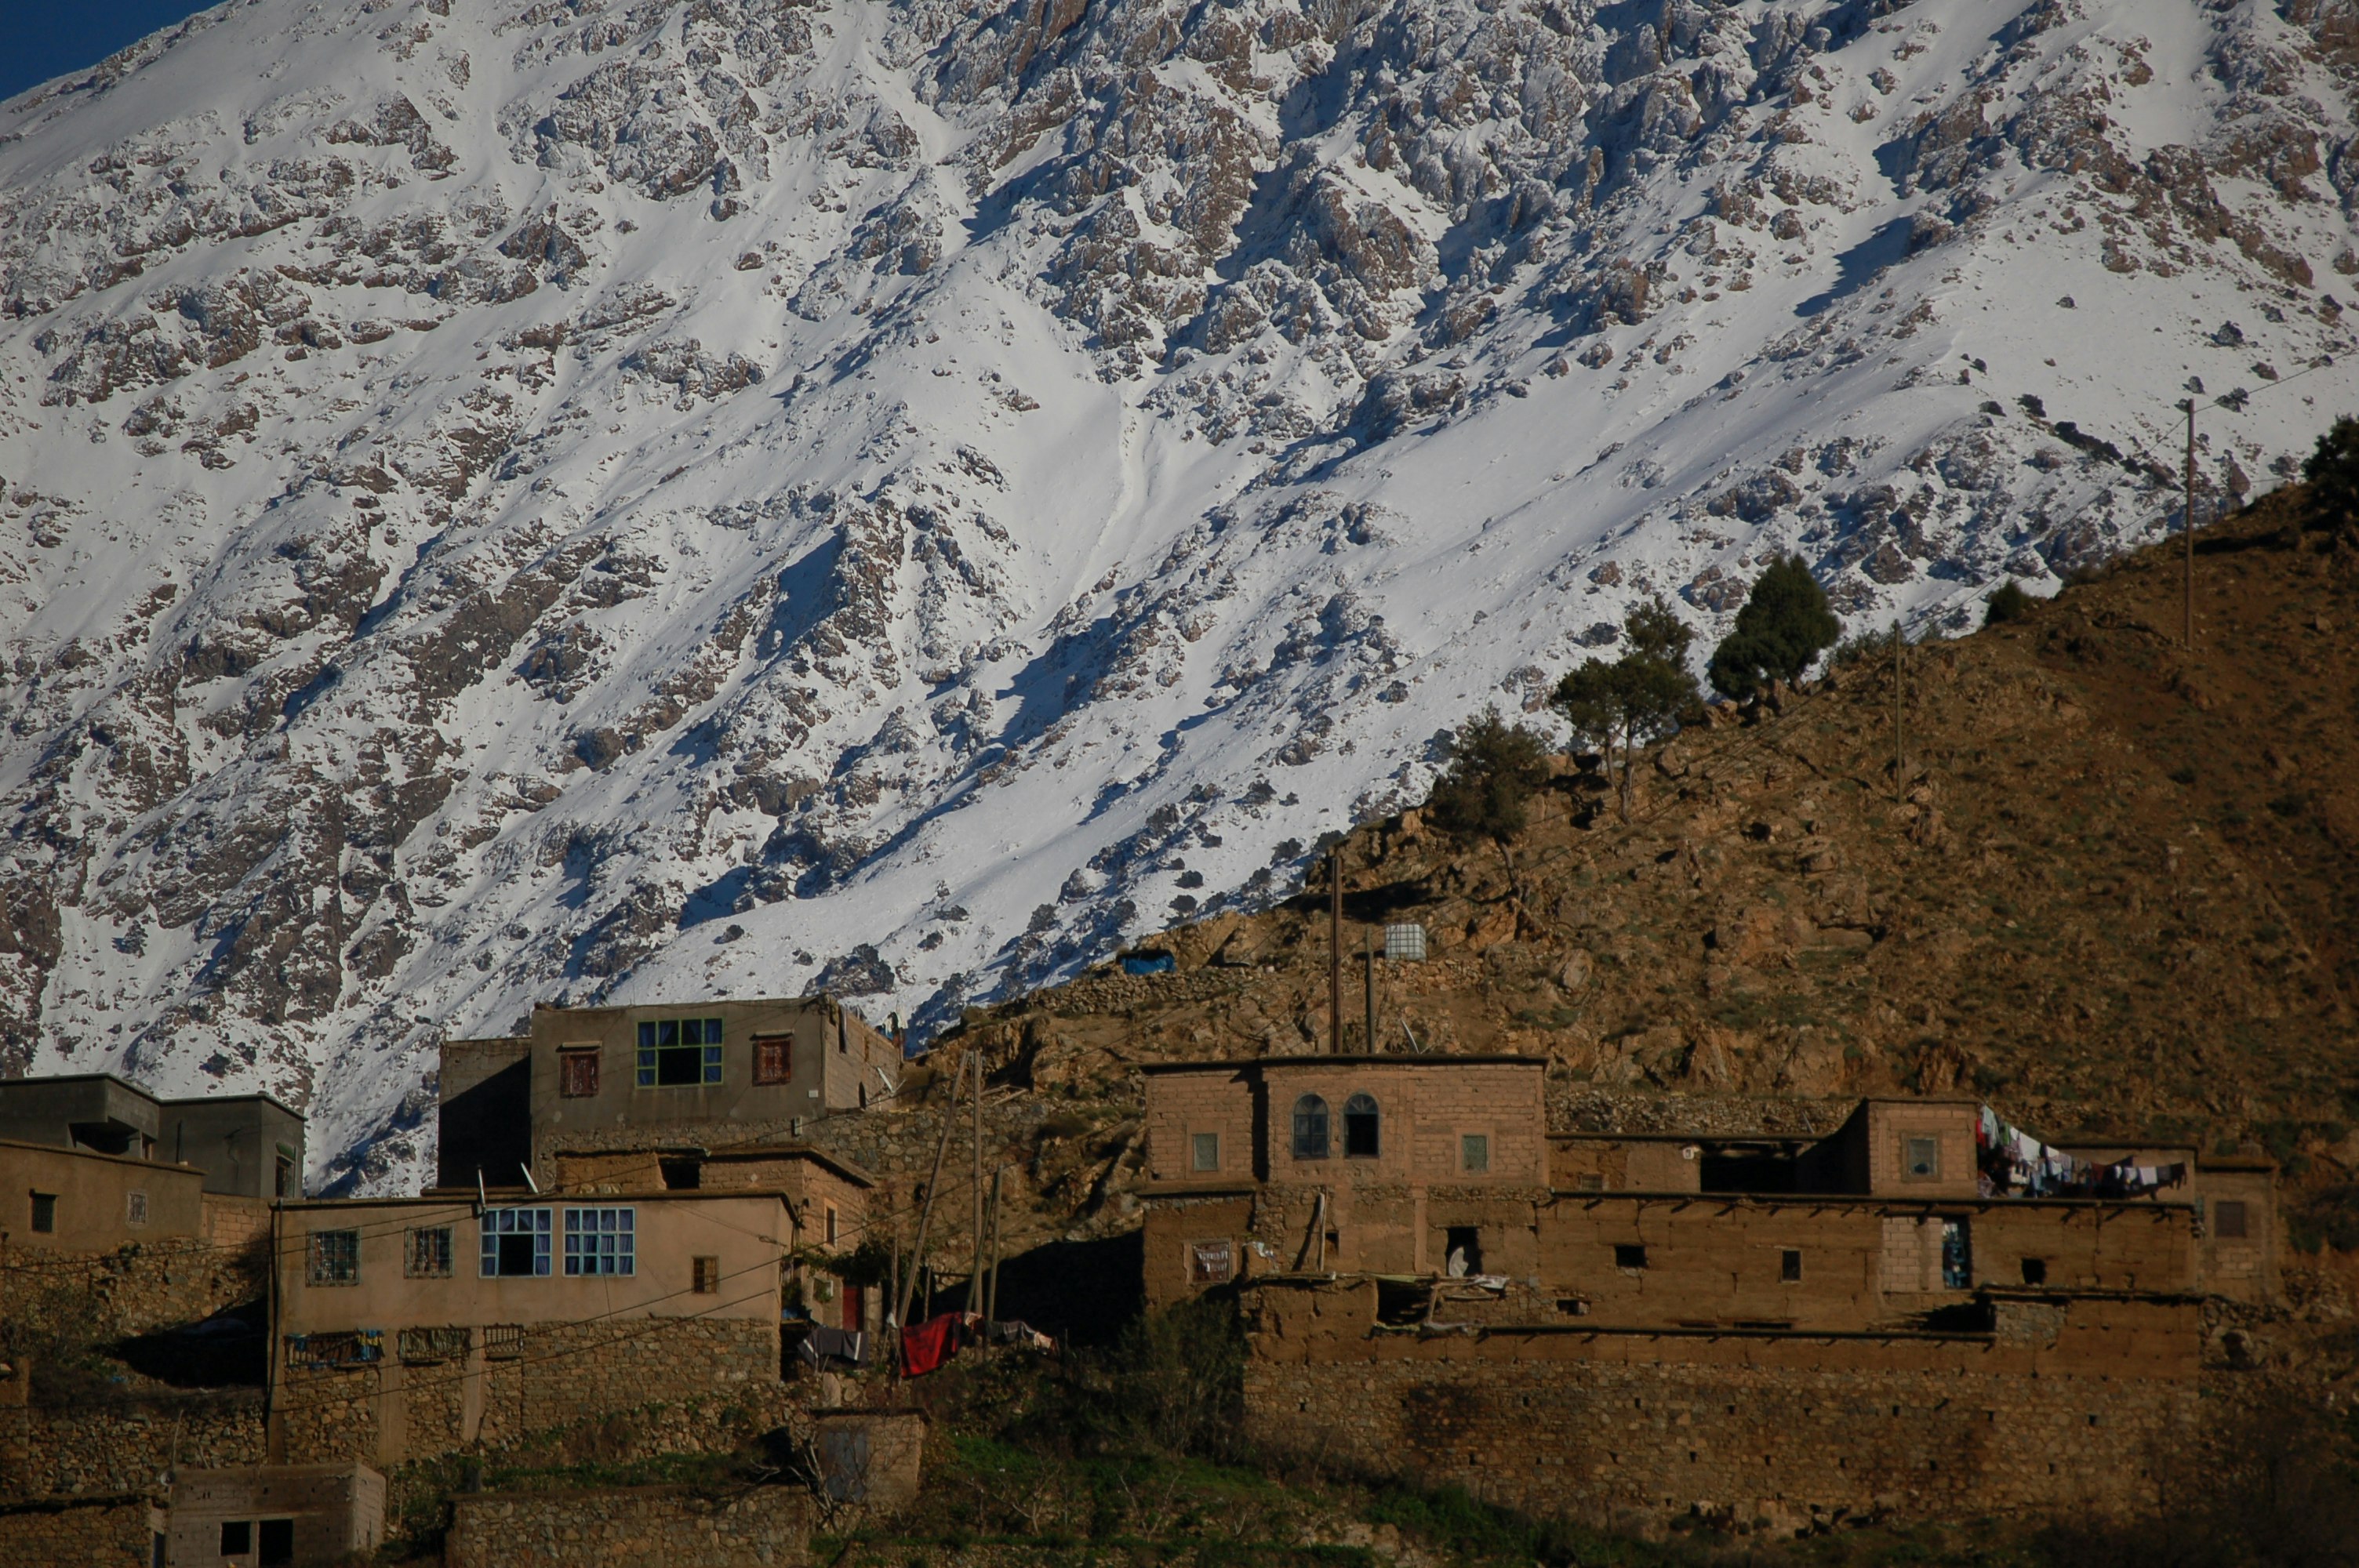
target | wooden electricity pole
[
  {"x": 1335, "y": 946},
  {"x": 926, "y": 1214},
  {"x": 1900, "y": 713},
  {"x": 990, "y": 1291},
  {"x": 975, "y": 1256},
  {"x": 2187, "y": 634},
  {"x": 1368, "y": 995}
]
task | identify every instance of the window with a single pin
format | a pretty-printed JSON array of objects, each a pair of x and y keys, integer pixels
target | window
[
  {"x": 1463, "y": 1246},
  {"x": 1474, "y": 1152},
  {"x": 326, "y": 1352},
  {"x": 504, "y": 1342},
  {"x": 1588, "y": 1181},
  {"x": 681, "y": 1174},
  {"x": 45, "y": 1213},
  {"x": 282, "y": 1178},
  {"x": 680, "y": 1051},
  {"x": 705, "y": 1276},
  {"x": 515, "y": 1242},
  {"x": 577, "y": 1072},
  {"x": 426, "y": 1347},
  {"x": 236, "y": 1537},
  {"x": 598, "y": 1241},
  {"x": 1361, "y": 1139},
  {"x": 2035, "y": 1271},
  {"x": 278, "y": 1543},
  {"x": 1957, "y": 1256},
  {"x": 1310, "y": 1128},
  {"x": 831, "y": 1225},
  {"x": 1627, "y": 1257},
  {"x": 774, "y": 1058},
  {"x": 1790, "y": 1266},
  {"x": 335, "y": 1258},
  {"x": 1211, "y": 1262},
  {"x": 2228, "y": 1220},
  {"x": 135, "y": 1208},
  {"x": 428, "y": 1255},
  {"x": 1206, "y": 1151},
  {"x": 1921, "y": 1159}
]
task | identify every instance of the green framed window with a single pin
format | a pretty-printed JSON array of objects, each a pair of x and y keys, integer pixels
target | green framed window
[{"x": 679, "y": 1052}]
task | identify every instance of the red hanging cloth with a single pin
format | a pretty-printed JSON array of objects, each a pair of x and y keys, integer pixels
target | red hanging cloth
[{"x": 930, "y": 1344}]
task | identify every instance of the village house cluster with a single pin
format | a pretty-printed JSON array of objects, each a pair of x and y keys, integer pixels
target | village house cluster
[
  {"x": 1925, "y": 1311},
  {"x": 625, "y": 1212}
]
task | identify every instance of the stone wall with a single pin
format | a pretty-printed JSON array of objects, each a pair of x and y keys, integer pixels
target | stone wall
[
  {"x": 111, "y": 1531},
  {"x": 146, "y": 1285},
  {"x": 1628, "y": 1430},
  {"x": 762, "y": 1526},
  {"x": 500, "y": 1393},
  {"x": 123, "y": 1446}
]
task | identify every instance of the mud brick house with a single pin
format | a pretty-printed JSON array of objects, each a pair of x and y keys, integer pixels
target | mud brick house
[
  {"x": 719, "y": 1073},
  {"x": 1626, "y": 1328},
  {"x": 404, "y": 1327},
  {"x": 272, "y": 1516},
  {"x": 72, "y": 1200},
  {"x": 246, "y": 1145}
]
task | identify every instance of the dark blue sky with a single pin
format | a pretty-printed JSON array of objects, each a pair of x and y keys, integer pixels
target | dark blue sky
[{"x": 42, "y": 39}]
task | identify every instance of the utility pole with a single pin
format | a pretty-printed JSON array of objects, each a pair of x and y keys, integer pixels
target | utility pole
[
  {"x": 974, "y": 1277},
  {"x": 2187, "y": 634},
  {"x": 991, "y": 1292},
  {"x": 1335, "y": 947},
  {"x": 1900, "y": 713},
  {"x": 1368, "y": 958},
  {"x": 926, "y": 1214}
]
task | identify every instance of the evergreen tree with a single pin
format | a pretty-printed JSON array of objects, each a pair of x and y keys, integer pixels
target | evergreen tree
[
  {"x": 2332, "y": 472},
  {"x": 1637, "y": 698},
  {"x": 1494, "y": 767},
  {"x": 1784, "y": 626}
]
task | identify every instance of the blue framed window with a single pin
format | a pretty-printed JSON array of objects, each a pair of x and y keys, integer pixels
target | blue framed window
[
  {"x": 598, "y": 1241},
  {"x": 679, "y": 1053},
  {"x": 515, "y": 1242}
]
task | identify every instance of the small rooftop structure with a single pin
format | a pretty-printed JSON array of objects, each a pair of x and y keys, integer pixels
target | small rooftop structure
[
  {"x": 246, "y": 1145},
  {"x": 264, "y": 1515}
]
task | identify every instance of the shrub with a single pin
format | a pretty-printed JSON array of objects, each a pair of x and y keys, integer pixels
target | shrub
[
  {"x": 1494, "y": 766},
  {"x": 2007, "y": 602},
  {"x": 1640, "y": 696},
  {"x": 1784, "y": 626},
  {"x": 2332, "y": 472}
]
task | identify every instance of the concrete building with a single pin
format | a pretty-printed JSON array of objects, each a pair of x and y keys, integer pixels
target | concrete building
[
  {"x": 75, "y": 1200},
  {"x": 410, "y": 1327},
  {"x": 699, "y": 1076},
  {"x": 1924, "y": 1312},
  {"x": 246, "y": 1145},
  {"x": 273, "y": 1516}
]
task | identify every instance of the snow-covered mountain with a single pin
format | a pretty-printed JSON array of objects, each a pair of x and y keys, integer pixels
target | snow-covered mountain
[{"x": 560, "y": 500}]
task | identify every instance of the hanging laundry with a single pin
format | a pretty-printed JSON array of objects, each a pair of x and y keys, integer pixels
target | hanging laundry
[
  {"x": 821, "y": 1346},
  {"x": 930, "y": 1344},
  {"x": 2013, "y": 1163}
]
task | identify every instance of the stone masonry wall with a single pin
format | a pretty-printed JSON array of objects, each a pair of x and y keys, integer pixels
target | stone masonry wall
[
  {"x": 1629, "y": 1431},
  {"x": 551, "y": 1377},
  {"x": 138, "y": 1287},
  {"x": 123, "y": 1446},
  {"x": 764, "y": 1527},
  {"x": 76, "y": 1532}
]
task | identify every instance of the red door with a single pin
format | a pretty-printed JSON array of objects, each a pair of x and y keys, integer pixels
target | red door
[{"x": 855, "y": 1302}]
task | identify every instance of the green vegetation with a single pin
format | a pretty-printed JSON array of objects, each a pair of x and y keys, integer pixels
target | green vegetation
[
  {"x": 2332, "y": 472},
  {"x": 1782, "y": 629},
  {"x": 1640, "y": 696},
  {"x": 1494, "y": 768},
  {"x": 2007, "y": 602}
]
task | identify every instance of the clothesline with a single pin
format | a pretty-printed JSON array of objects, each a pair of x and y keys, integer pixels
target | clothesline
[{"x": 2013, "y": 1163}]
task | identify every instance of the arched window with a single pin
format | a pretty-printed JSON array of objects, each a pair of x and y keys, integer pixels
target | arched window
[
  {"x": 1310, "y": 1128},
  {"x": 1361, "y": 1136}
]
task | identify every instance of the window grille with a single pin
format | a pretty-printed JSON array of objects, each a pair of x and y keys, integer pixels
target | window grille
[
  {"x": 598, "y": 1241},
  {"x": 504, "y": 1342},
  {"x": 676, "y": 1053},
  {"x": 577, "y": 1073},
  {"x": 1310, "y": 1128},
  {"x": 1206, "y": 1150},
  {"x": 426, "y": 1347},
  {"x": 705, "y": 1274},
  {"x": 774, "y": 1058},
  {"x": 1921, "y": 1159},
  {"x": 1211, "y": 1262},
  {"x": 135, "y": 1208},
  {"x": 428, "y": 1256},
  {"x": 1474, "y": 1152},
  {"x": 2228, "y": 1221},
  {"x": 515, "y": 1242},
  {"x": 335, "y": 1258},
  {"x": 1361, "y": 1129},
  {"x": 326, "y": 1352}
]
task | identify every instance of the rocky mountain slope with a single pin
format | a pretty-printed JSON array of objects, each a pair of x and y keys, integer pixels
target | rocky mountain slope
[{"x": 510, "y": 501}]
